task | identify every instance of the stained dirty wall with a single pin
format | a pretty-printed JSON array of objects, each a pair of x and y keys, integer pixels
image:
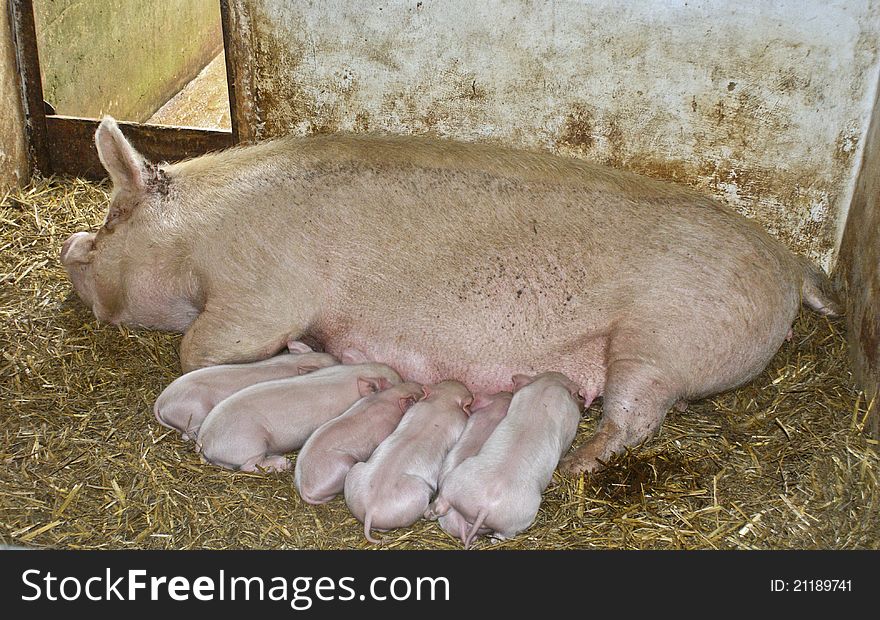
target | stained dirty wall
[
  {"x": 858, "y": 271},
  {"x": 763, "y": 105},
  {"x": 122, "y": 57},
  {"x": 13, "y": 152}
]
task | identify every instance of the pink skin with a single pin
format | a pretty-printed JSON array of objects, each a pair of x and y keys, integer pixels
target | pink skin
[
  {"x": 486, "y": 412},
  {"x": 253, "y": 428},
  {"x": 456, "y": 525},
  {"x": 524, "y": 262},
  {"x": 186, "y": 402},
  {"x": 499, "y": 489},
  {"x": 393, "y": 488},
  {"x": 329, "y": 454}
]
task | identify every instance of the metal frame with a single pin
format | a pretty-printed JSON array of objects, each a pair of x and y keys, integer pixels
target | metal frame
[{"x": 65, "y": 144}]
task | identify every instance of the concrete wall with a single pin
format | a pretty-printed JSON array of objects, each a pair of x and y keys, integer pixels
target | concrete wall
[
  {"x": 13, "y": 153},
  {"x": 764, "y": 105},
  {"x": 122, "y": 57},
  {"x": 858, "y": 271}
]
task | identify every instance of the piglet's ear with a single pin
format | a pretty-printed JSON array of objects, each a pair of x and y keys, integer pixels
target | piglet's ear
[
  {"x": 406, "y": 402},
  {"x": 466, "y": 404},
  {"x": 295, "y": 346},
  {"x": 304, "y": 370},
  {"x": 481, "y": 400},
  {"x": 128, "y": 169},
  {"x": 520, "y": 381},
  {"x": 369, "y": 385}
]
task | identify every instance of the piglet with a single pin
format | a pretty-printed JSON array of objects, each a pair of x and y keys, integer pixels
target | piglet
[
  {"x": 393, "y": 488},
  {"x": 256, "y": 426},
  {"x": 333, "y": 449},
  {"x": 188, "y": 399},
  {"x": 486, "y": 412},
  {"x": 500, "y": 488}
]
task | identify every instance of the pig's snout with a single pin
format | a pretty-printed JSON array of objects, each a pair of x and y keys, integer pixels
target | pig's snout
[
  {"x": 76, "y": 248},
  {"x": 75, "y": 256}
]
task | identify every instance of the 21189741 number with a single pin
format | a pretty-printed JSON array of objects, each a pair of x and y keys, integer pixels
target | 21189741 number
[{"x": 811, "y": 585}]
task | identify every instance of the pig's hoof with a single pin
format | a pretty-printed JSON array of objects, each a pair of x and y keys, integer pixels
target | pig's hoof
[
  {"x": 268, "y": 464},
  {"x": 578, "y": 464}
]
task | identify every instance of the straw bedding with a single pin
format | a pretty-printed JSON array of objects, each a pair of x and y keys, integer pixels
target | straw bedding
[{"x": 780, "y": 463}]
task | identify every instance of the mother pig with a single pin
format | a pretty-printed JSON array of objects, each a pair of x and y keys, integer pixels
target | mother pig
[{"x": 446, "y": 260}]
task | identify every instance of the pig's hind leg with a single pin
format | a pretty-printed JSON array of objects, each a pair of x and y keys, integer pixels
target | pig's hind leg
[{"x": 636, "y": 399}]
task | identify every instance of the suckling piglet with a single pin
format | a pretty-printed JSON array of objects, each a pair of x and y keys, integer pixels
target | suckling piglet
[
  {"x": 184, "y": 404},
  {"x": 256, "y": 426},
  {"x": 333, "y": 449},
  {"x": 393, "y": 488},
  {"x": 500, "y": 488},
  {"x": 486, "y": 412}
]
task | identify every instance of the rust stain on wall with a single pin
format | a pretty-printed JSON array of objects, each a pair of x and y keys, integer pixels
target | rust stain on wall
[
  {"x": 578, "y": 129},
  {"x": 792, "y": 202},
  {"x": 858, "y": 271}
]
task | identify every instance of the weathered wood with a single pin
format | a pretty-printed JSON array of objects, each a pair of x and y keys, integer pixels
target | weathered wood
[
  {"x": 237, "y": 45},
  {"x": 24, "y": 35},
  {"x": 65, "y": 144},
  {"x": 73, "y": 148},
  {"x": 858, "y": 272}
]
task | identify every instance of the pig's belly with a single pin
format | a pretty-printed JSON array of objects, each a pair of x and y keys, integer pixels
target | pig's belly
[{"x": 480, "y": 361}]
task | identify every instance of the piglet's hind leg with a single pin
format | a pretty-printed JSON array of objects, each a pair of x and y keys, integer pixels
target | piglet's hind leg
[
  {"x": 268, "y": 463},
  {"x": 233, "y": 445}
]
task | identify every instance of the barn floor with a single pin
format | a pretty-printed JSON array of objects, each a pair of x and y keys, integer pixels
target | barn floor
[{"x": 778, "y": 464}]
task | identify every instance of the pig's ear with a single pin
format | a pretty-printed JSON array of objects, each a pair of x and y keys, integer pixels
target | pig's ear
[
  {"x": 304, "y": 370},
  {"x": 354, "y": 356},
  {"x": 520, "y": 381},
  {"x": 295, "y": 346},
  {"x": 368, "y": 385},
  {"x": 426, "y": 392},
  {"x": 466, "y": 404},
  {"x": 406, "y": 402},
  {"x": 128, "y": 169},
  {"x": 480, "y": 400}
]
